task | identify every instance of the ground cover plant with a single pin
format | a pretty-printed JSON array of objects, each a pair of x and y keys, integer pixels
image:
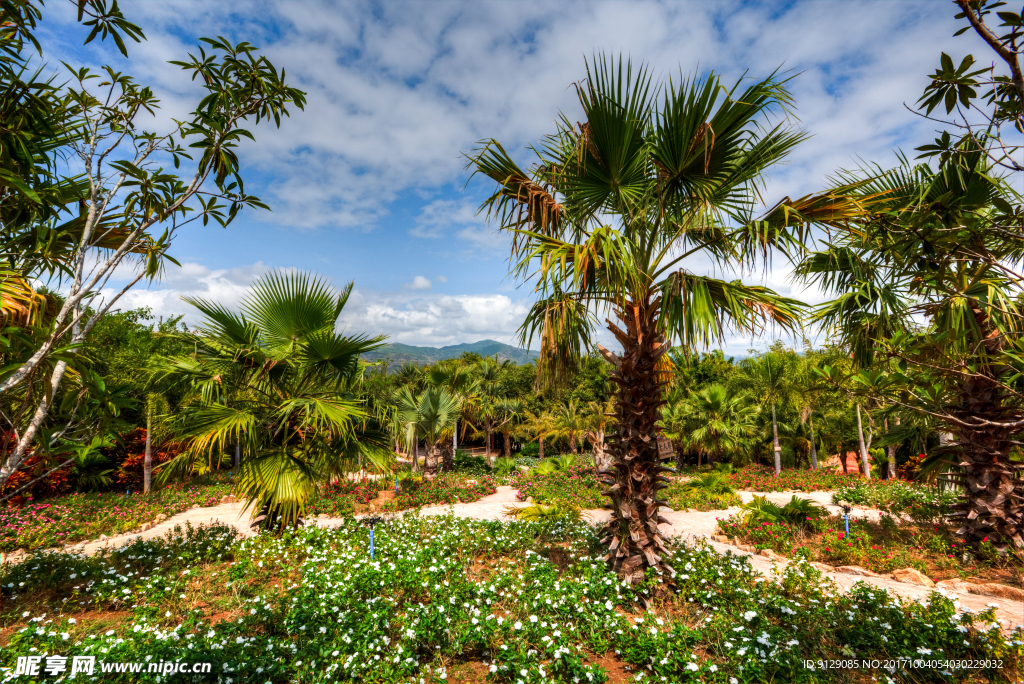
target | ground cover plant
[
  {"x": 82, "y": 516},
  {"x": 882, "y": 546},
  {"x": 575, "y": 485},
  {"x": 917, "y": 501},
  {"x": 703, "y": 492},
  {"x": 757, "y": 478},
  {"x": 455, "y": 599}
]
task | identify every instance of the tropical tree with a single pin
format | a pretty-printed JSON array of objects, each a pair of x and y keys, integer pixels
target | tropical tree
[
  {"x": 570, "y": 424},
  {"x": 606, "y": 220},
  {"x": 768, "y": 377},
  {"x": 596, "y": 421},
  {"x": 123, "y": 209},
  {"x": 437, "y": 413},
  {"x": 537, "y": 426},
  {"x": 276, "y": 379},
  {"x": 940, "y": 251},
  {"x": 461, "y": 384},
  {"x": 716, "y": 423}
]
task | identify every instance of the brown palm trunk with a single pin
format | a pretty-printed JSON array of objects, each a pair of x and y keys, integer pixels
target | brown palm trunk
[
  {"x": 540, "y": 453},
  {"x": 632, "y": 535},
  {"x": 508, "y": 444}
]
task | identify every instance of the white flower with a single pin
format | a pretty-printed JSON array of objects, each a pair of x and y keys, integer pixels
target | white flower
[
  {"x": 518, "y": 625},
  {"x": 608, "y": 605},
  {"x": 924, "y": 651},
  {"x": 692, "y": 667},
  {"x": 749, "y": 615},
  {"x": 533, "y": 618}
]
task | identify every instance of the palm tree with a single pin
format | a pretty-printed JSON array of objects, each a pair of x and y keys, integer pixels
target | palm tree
[
  {"x": 277, "y": 380},
  {"x": 941, "y": 248},
  {"x": 596, "y": 421},
  {"x": 808, "y": 387},
  {"x": 508, "y": 412},
  {"x": 486, "y": 401},
  {"x": 769, "y": 378},
  {"x": 607, "y": 218},
  {"x": 461, "y": 384},
  {"x": 717, "y": 423},
  {"x": 537, "y": 426},
  {"x": 570, "y": 423}
]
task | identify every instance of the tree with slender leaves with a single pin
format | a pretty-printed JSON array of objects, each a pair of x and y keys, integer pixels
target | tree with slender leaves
[
  {"x": 606, "y": 220},
  {"x": 940, "y": 250},
  {"x": 277, "y": 379},
  {"x": 716, "y": 423}
]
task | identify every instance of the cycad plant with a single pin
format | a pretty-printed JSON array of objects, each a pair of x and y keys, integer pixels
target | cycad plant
[
  {"x": 606, "y": 220},
  {"x": 274, "y": 378}
]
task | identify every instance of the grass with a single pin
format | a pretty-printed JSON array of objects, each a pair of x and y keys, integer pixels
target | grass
[{"x": 449, "y": 599}]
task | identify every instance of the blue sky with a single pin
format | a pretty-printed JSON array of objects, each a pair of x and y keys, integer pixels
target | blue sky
[{"x": 367, "y": 184}]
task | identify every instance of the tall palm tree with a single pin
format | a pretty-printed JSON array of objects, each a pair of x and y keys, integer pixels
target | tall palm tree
[
  {"x": 606, "y": 220},
  {"x": 538, "y": 426},
  {"x": 942, "y": 249},
  {"x": 769, "y": 377},
  {"x": 276, "y": 379},
  {"x": 486, "y": 400}
]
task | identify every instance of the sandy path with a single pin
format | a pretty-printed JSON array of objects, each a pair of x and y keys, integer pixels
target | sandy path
[{"x": 688, "y": 525}]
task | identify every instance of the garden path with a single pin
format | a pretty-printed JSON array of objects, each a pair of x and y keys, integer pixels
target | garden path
[{"x": 683, "y": 524}]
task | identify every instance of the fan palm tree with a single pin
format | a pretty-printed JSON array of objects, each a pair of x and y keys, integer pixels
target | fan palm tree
[
  {"x": 275, "y": 379},
  {"x": 769, "y": 378},
  {"x": 537, "y": 426},
  {"x": 460, "y": 382},
  {"x": 605, "y": 220},
  {"x": 717, "y": 423}
]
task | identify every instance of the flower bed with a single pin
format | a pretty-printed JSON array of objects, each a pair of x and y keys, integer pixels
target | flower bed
[
  {"x": 447, "y": 597},
  {"x": 339, "y": 499},
  {"x": 578, "y": 486},
  {"x": 441, "y": 490},
  {"x": 76, "y": 517},
  {"x": 880, "y": 547},
  {"x": 759, "y": 478}
]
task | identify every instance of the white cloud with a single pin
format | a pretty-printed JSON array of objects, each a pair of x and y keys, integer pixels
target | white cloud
[
  {"x": 441, "y": 279},
  {"x": 419, "y": 283}
]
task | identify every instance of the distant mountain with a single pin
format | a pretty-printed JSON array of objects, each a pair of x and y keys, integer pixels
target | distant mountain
[{"x": 402, "y": 353}]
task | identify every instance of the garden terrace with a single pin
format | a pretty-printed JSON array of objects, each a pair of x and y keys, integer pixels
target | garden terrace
[{"x": 460, "y": 600}]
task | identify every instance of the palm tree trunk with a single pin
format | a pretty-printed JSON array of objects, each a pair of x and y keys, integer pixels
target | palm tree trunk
[
  {"x": 415, "y": 455},
  {"x": 632, "y": 536},
  {"x": 508, "y": 444},
  {"x": 238, "y": 455},
  {"x": 863, "y": 448},
  {"x": 147, "y": 462},
  {"x": 541, "y": 452},
  {"x": 814, "y": 449},
  {"x": 455, "y": 438},
  {"x": 572, "y": 442},
  {"x": 487, "y": 427},
  {"x": 775, "y": 443},
  {"x": 891, "y": 474}
]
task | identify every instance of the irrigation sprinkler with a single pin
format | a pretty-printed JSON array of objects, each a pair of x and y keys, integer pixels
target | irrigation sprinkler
[
  {"x": 846, "y": 517},
  {"x": 371, "y": 522}
]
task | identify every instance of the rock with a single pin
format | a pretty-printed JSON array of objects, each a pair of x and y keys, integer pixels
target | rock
[
  {"x": 160, "y": 518},
  {"x": 822, "y": 567},
  {"x": 771, "y": 555},
  {"x": 148, "y": 526},
  {"x": 912, "y": 576},
  {"x": 747, "y": 548},
  {"x": 230, "y": 498},
  {"x": 855, "y": 570},
  {"x": 952, "y": 585},
  {"x": 195, "y": 507},
  {"x": 529, "y": 499},
  {"x": 998, "y": 590},
  {"x": 322, "y": 516},
  {"x": 104, "y": 537}
]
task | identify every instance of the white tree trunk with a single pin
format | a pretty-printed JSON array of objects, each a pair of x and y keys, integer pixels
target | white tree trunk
[
  {"x": 147, "y": 463},
  {"x": 775, "y": 443},
  {"x": 814, "y": 449},
  {"x": 865, "y": 464}
]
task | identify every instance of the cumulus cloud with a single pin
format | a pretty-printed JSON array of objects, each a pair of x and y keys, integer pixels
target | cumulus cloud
[
  {"x": 441, "y": 279},
  {"x": 419, "y": 283}
]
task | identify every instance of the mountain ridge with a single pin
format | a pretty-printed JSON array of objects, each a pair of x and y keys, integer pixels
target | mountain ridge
[{"x": 403, "y": 353}]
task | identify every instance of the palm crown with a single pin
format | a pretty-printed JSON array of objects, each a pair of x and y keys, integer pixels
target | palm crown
[
  {"x": 276, "y": 379},
  {"x": 606, "y": 219}
]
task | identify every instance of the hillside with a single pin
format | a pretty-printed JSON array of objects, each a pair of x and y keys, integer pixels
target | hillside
[{"x": 402, "y": 353}]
